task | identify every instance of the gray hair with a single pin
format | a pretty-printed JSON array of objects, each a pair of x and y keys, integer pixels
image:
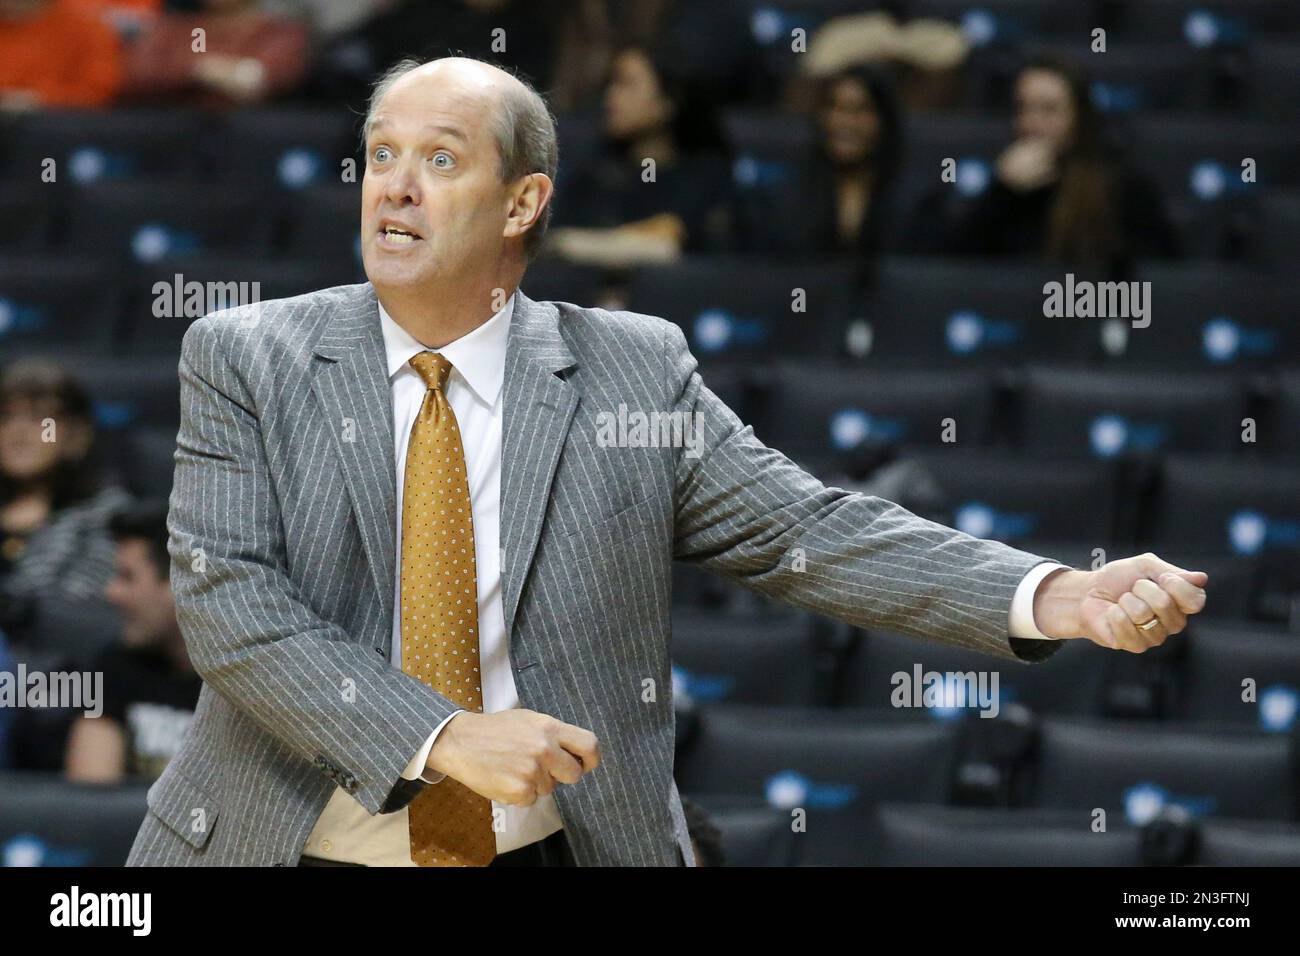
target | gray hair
[{"x": 524, "y": 128}]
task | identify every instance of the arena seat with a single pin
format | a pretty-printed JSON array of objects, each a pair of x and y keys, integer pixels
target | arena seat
[
  {"x": 919, "y": 835},
  {"x": 1221, "y": 656},
  {"x": 1132, "y": 770},
  {"x": 45, "y": 821},
  {"x": 1070, "y": 412},
  {"x": 1074, "y": 681},
  {"x": 1012, "y": 498},
  {"x": 744, "y": 659},
  {"x": 819, "y": 407},
  {"x": 104, "y": 146},
  {"x": 832, "y": 764},
  {"x": 68, "y": 303},
  {"x": 950, "y": 313}
]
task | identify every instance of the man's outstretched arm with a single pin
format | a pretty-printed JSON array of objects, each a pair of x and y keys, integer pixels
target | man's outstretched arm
[{"x": 748, "y": 512}]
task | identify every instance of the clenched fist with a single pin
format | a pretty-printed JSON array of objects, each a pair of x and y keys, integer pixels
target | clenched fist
[
  {"x": 513, "y": 756},
  {"x": 1109, "y": 606}
]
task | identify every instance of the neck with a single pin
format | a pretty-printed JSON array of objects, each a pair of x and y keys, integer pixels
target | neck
[{"x": 438, "y": 316}]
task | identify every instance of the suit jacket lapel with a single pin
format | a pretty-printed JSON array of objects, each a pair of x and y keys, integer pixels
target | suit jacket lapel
[
  {"x": 353, "y": 390},
  {"x": 537, "y": 409}
]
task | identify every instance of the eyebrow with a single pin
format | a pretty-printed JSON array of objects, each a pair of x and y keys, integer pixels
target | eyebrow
[{"x": 438, "y": 127}]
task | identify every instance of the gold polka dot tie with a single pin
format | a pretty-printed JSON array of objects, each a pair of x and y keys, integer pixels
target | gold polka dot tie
[{"x": 450, "y": 824}]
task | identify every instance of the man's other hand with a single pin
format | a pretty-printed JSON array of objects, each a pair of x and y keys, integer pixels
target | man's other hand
[
  {"x": 513, "y": 756},
  {"x": 1107, "y": 606}
]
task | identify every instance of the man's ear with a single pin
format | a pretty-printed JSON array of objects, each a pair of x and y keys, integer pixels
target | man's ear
[{"x": 527, "y": 201}]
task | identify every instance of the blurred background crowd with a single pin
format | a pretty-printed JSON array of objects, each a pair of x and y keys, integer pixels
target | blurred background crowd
[{"x": 851, "y": 207}]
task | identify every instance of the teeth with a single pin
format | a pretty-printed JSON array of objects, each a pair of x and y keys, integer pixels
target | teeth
[{"x": 395, "y": 235}]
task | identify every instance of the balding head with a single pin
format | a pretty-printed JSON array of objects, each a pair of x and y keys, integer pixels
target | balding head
[{"x": 520, "y": 121}]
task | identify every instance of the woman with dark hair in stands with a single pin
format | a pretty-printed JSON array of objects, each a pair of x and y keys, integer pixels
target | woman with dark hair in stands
[
  {"x": 56, "y": 554},
  {"x": 1060, "y": 192},
  {"x": 620, "y": 209},
  {"x": 842, "y": 201}
]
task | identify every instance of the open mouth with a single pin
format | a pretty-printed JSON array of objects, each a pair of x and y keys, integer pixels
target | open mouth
[{"x": 398, "y": 236}]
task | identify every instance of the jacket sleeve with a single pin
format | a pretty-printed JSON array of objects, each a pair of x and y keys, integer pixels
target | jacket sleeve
[
  {"x": 326, "y": 695},
  {"x": 749, "y": 513}
]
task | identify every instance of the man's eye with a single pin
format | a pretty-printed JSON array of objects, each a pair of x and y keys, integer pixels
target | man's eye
[
  {"x": 443, "y": 160},
  {"x": 382, "y": 154}
]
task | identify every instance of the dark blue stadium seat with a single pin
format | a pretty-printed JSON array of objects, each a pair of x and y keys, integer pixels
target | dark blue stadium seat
[
  {"x": 1206, "y": 24},
  {"x": 1132, "y": 770},
  {"x": 819, "y": 408},
  {"x": 754, "y": 833},
  {"x": 1281, "y": 436},
  {"x": 133, "y": 392},
  {"x": 1247, "y": 843},
  {"x": 63, "y": 302},
  {"x": 954, "y": 314},
  {"x": 1229, "y": 507},
  {"x": 1074, "y": 681},
  {"x": 148, "y": 221},
  {"x": 1070, "y": 412},
  {"x": 738, "y": 309},
  {"x": 1014, "y": 498},
  {"x": 325, "y": 222},
  {"x": 1273, "y": 85},
  {"x": 1201, "y": 156},
  {"x": 917, "y": 835},
  {"x": 832, "y": 764},
  {"x": 744, "y": 659},
  {"x": 47, "y": 822},
  {"x": 26, "y": 218},
  {"x": 97, "y": 146},
  {"x": 1208, "y": 318},
  {"x": 225, "y": 281},
  {"x": 1221, "y": 656},
  {"x": 290, "y": 150}
]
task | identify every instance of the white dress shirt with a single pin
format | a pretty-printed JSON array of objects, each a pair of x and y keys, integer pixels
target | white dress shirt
[{"x": 345, "y": 831}]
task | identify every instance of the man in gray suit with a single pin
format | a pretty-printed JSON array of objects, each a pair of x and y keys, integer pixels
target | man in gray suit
[{"x": 311, "y": 424}]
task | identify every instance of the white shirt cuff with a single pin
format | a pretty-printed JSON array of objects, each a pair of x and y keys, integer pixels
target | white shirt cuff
[
  {"x": 1021, "y": 620},
  {"x": 414, "y": 768}
]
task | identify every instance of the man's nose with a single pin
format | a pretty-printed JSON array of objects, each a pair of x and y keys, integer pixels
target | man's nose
[{"x": 403, "y": 185}]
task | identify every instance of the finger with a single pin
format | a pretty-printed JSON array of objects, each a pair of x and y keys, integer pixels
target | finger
[
  {"x": 1171, "y": 616},
  {"x": 1153, "y": 566},
  {"x": 1139, "y": 612},
  {"x": 1189, "y": 597},
  {"x": 562, "y": 766},
  {"x": 1126, "y": 635},
  {"x": 582, "y": 744}
]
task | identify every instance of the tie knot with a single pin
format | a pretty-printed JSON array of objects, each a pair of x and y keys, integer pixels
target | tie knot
[{"x": 433, "y": 368}]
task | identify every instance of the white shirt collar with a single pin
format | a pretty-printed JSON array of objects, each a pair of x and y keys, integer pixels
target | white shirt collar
[{"x": 479, "y": 355}]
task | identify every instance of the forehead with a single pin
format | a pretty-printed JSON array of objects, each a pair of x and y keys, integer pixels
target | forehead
[{"x": 438, "y": 101}]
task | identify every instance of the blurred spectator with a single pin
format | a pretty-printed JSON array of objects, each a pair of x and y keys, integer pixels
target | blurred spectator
[
  {"x": 54, "y": 53},
  {"x": 926, "y": 55},
  {"x": 55, "y": 551},
  {"x": 842, "y": 202},
  {"x": 1060, "y": 193},
  {"x": 247, "y": 56},
  {"x": 618, "y": 208},
  {"x": 150, "y": 688}
]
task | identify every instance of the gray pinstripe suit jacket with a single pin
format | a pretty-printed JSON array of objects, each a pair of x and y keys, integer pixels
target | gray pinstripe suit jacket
[{"x": 282, "y": 539}]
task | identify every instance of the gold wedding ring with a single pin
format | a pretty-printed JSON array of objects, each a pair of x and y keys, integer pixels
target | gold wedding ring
[{"x": 1150, "y": 624}]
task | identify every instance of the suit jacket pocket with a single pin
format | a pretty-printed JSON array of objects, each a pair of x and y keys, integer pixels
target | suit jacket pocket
[
  {"x": 611, "y": 531},
  {"x": 186, "y": 808}
]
